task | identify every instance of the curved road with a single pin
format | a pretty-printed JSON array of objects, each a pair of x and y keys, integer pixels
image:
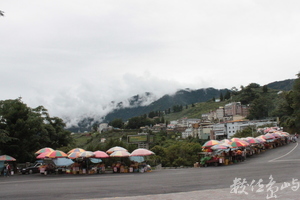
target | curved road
[{"x": 281, "y": 163}]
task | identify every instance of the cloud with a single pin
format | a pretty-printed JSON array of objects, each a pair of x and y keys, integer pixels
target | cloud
[{"x": 75, "y": 57}]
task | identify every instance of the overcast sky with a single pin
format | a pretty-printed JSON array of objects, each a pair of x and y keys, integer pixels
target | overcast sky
[{"x": 74, "y": 57}]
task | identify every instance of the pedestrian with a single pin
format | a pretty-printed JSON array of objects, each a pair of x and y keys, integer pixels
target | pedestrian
[{"x": 7, "y": 170}]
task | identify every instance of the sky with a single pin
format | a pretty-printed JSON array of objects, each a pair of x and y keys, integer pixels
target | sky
[{"x": 74, "y": 57}]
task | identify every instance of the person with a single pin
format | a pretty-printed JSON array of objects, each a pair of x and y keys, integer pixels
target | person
[{"x": 7, "y": 170}]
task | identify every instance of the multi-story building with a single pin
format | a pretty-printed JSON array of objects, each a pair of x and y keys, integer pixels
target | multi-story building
[{"x": 236, "y": 108}]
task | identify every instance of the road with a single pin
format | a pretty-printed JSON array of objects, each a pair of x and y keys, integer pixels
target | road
[{"x": 281, "y": 164}]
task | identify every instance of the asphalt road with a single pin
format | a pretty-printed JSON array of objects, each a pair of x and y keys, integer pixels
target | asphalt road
[{"x": 279, "y": 166}]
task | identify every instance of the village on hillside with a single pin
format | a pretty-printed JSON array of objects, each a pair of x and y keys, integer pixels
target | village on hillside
[{"x": 218, "y": 124}]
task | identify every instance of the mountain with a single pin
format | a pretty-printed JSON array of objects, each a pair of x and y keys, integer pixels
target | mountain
[
  {"x": 145, "y": 103},
  {"x": 285, "y": 85},
  {"x": 181, "y": 97}
]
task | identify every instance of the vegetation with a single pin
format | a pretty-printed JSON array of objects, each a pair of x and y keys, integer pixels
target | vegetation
[{"x": 24, "y": 130}]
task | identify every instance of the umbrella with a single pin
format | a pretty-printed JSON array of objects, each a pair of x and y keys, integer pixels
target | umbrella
[
  {"x": 100, "y": 154},
  {"x": 269, "y": 136},
  {"x": 86, "y": 154},
  {"x": 225, "y": 141},
  {"x": 261, "y": 140},
  {"x": 44, "y": 150},
  {"x": 138, "y": 159},
  {"x": 120, "y": 154},
  {"x": 221, "y": 146},
  {"x": 141, "y": 152},
  {"x": 236, "y": 139},
  {"x": 239, "y": 144},
  {"x": 7, "y": 158},
  {"x": 116, "y": 148},
  {"x": 43, "y": 155},
  {"x": 210, "y": 143},
  {"x": 276, "y": 135},
  {"x": 74, "y": 155},
  {"x": 253, "y": 141},
  {"x": 56, "y": 154},
  {"x": 76, "y": 150}
]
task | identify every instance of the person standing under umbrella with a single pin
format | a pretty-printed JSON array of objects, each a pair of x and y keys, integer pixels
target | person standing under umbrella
[{"x": 7, "y": 170}]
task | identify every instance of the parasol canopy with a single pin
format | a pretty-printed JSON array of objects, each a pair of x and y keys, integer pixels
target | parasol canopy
[
  {"x": 221, "y": 146},
  {"x": 100, "y": 154},
  {"x": 7, "y": 158},
  {"x": 44, "y": 150},
  {"x": 86, "y": 154},
  {"x": 239, "y": 144},
  {"x": 43, "y": 155},
  {"x": 210, "y": 143},
  {"x": 141, "y": 152},
  {"x": 74, "y": 155},
  {"x": 116, "y": 148},
  {"x": 56, "y": 154},
  {"x": 76, "y": 150},
  {"x": 120, "y": 154}
]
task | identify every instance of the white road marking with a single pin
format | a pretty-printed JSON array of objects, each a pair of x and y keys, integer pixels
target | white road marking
[{"x": 284, "y": 154}]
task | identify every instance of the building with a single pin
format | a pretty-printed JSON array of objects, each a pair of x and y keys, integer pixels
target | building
[{"x": 236, "y": 108}]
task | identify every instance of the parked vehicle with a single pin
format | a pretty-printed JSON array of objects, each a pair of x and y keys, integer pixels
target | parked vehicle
[{"x": 32, "y": 169}]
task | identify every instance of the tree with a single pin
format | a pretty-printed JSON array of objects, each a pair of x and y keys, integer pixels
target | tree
[
  {"x": 265, "y": 89},
  {"x": 221, "y": 97},
  {"x": 259, "y": 108},
  {"x": 227, "y": 95},
  {"x": 26, "y": 130},
  {"x": 117, "y": 123}
]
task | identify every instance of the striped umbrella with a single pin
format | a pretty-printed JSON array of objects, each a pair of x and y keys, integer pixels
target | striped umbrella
[
  {"x": 56, "y": 154},
  {"x": 120, "y": 154},
  {"x": 76, "y": 150},
  {"x": 43, "y": 155},
  {"x": 44, "y": 150},
  {"x": 239, "y": 144},
  {"x": 236, "y": 139},
  {"x": 225, "y": 141},
  {"x": 7, "y": 158},
  {"x": 252, "y": 140},
  {"x": 210, "y": 143},
  {"x": 74, "y": 155}
]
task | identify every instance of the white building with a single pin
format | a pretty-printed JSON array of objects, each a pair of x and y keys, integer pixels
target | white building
[{"x": 188, "y": 132}]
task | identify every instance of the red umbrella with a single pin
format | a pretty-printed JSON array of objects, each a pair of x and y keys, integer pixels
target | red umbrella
[
  {"x": 141, "y": 152},
  {"x": 100, "y": 154}
]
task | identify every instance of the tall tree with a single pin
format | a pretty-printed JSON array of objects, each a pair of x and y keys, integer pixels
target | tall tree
[{"x": 28, "y": 130}]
